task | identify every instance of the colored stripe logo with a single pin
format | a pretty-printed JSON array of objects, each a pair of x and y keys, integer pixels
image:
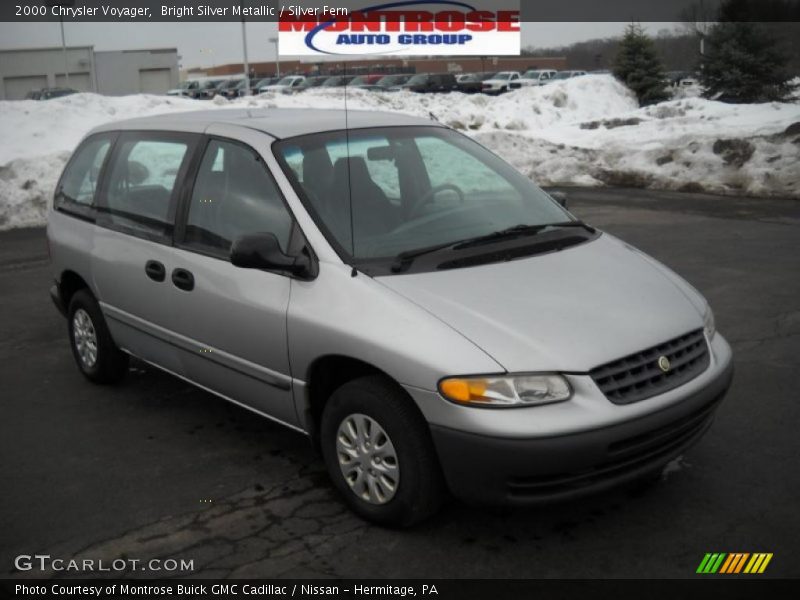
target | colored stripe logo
[{"x": 734, "y": 563}]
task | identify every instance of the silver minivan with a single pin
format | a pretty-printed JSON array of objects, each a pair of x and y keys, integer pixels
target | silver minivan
[{"x": 431, "y": 319}]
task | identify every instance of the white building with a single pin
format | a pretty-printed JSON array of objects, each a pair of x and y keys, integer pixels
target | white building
[{"x": 112, "y": 73}]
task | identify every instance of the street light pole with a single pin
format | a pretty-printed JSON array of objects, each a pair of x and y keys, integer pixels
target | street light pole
[
  {"x": 274, "y": 40},
  {"x": 246, "y": 65},
  {"x": 64, "y": 50}
]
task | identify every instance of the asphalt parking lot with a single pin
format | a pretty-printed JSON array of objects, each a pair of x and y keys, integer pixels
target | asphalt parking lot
[{"x": 156, "y": 468}]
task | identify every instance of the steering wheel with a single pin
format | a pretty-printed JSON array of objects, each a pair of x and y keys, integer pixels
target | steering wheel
[{"x": 419, "y": 204}]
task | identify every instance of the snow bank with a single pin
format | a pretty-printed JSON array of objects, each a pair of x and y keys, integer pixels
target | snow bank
[{"x": 582, "y": 131}]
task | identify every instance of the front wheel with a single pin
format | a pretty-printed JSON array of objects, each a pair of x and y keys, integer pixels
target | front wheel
[
  {"x": 379, "y": 453},
  {"x": 97, "y": 356}
]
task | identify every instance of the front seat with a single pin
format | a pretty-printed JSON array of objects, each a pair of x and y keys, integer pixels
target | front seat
[
  {"x": 317, "y": 177},
  {"x": 372, "y": 211}
]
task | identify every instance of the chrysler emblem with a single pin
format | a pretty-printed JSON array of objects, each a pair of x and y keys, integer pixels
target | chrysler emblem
[{"x": 663, "y": 363}]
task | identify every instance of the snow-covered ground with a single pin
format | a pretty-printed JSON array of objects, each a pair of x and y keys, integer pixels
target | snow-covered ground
[{"x": 582, "y": 131}]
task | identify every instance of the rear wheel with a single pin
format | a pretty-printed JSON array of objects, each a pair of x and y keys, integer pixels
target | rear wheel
[
  {"x": 97, "y": 356},
  {"x": 379, "y": 453}
]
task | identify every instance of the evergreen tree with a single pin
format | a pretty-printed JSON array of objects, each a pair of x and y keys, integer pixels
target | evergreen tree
[
  {"x": 637, "y": 65},
  {"x": 743, "y": 64}
]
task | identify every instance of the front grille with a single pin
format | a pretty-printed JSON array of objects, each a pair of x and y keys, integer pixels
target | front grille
[{"x": 638, "y": 376}]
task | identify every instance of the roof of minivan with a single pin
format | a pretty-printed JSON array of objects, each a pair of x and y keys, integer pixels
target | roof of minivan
[{"x": 277, "y": 122}]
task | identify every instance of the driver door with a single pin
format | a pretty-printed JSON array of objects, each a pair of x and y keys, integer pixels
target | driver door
[{"x": 232, "y": 321}]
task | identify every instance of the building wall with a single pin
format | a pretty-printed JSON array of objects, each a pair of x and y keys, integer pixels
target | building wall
[
  {"x": 34, "y": 68},
  {"x": 423, "y": 65},
  {"x": 123, "y": 72}
]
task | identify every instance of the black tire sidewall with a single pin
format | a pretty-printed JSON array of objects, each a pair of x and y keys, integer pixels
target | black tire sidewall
[
  {"x": 111, "y": 363},
  {"x": 409, "y": 435}
]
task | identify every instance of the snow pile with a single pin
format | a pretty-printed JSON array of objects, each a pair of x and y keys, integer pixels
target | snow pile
[
  {"x": 687, "y": 145},
  {"x": 582, "y": 131},
  {"x": 529, "y": 109}
]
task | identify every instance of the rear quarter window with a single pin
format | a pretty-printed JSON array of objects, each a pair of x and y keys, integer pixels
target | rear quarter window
[{"x": 78, "y": 186}]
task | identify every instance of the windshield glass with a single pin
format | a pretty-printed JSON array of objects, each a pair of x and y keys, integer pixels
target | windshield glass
[
  {"x": 501, "y": 75},
  {"x": 417, "y": 79},
  {"x": 286, "y": 81},
  {"x": 412, "y": 187}
]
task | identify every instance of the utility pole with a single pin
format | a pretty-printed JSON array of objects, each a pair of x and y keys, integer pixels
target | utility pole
[
  {"x": 274, "y": 40},
  {"x": 246, "y": 65},
  {"x": 61, "y": 3},
  {"x": 64, "y": 50}
]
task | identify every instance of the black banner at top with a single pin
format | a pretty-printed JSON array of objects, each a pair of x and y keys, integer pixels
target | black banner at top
[{"x": 272, "y": 10}]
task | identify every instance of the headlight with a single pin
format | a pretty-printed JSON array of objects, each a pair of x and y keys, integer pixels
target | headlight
[
  {"x": 709, "y": 326},
  {"x": 506, "y": 391}
]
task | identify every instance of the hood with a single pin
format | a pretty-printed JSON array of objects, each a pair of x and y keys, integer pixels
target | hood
[{"x": 565, "y": 311}]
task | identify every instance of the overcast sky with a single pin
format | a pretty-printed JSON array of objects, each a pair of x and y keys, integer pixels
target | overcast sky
[{"x": 210, "y": 44}]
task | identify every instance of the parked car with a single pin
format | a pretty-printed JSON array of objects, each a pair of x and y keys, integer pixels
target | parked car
[
  {"x": 337, "y": 81},
  {"x": 257, "y": 83},
  {"x": 430, "y": 82},
  {"x": 537, "y": 77},
  {"x": 285, "y": 85},
  {"x": 567, "y": 75},
  {"x": 390, "y": 82},
  {"x": 501, "y": 82},
  {"x": 185, "y": 88},
  {"x": 365, "y": 81},
  {"x": 311, "y": 82},
  {"x": 230, "y": 87},
  {"x": 49, "y": 93},
  {"x": 459, "y": 330},
  {"x": 471, "y": 83},
  {"x": 207, "y": 88}
]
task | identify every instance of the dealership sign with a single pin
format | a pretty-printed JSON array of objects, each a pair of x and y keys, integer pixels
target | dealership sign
[{"x": 407, "y": 28}]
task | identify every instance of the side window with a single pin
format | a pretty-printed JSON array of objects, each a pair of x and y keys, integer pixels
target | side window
[
  {"x": 142, "y": 182},
  {"x": 234, "y": 195},
  {"x": 81, "y": 176}
]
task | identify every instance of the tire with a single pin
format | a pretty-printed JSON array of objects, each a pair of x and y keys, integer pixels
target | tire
[
  {"x": 96, "y": 355},
  {"x": 418, "y": 489}
]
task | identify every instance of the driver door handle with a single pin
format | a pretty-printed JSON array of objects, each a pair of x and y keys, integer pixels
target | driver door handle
[
  {"x": 183, "y": 279},
  {"x": 155, "y": 270}
]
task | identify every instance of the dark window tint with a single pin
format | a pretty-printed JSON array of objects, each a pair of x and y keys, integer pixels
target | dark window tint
[
  {"x": 142, "y": 180},
  {"x": 81, "y": 177},
  {"x": 234, "y": 195}
]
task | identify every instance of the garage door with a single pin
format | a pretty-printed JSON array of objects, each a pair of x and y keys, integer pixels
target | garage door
[
  {"x": 16, "y": 88},
  {"x": 77, "y": 81},
  {"x": 154, "y": 81}
]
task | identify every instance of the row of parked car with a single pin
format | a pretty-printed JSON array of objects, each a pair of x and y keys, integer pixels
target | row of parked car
[
  {"x": 49, "y": 93},
  {"x": 489, "y": 82}
]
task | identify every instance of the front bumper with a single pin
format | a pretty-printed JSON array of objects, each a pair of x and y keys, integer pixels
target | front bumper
[{"x": 495, "y": 470}]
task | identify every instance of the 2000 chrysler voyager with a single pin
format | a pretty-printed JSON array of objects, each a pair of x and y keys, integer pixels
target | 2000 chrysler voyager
[{"x": 428, "y": 316}]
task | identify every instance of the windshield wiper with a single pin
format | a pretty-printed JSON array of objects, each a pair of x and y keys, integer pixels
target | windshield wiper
[
  {"x": 517, "y": 231},
  {"x": 404, "y": 260}
]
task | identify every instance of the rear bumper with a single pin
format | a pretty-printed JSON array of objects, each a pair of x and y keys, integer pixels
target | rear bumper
[
  {"x": 55, "y": 296},
  {"x": 493, "y": 470}
]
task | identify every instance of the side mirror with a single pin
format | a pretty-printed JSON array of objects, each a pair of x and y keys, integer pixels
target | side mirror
[
  {"x": 560, "y": 197},
  {"x": 262, "y": 251}
]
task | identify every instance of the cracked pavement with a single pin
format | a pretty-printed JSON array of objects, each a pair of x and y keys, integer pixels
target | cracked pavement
[{"x": 157, "y": 468}]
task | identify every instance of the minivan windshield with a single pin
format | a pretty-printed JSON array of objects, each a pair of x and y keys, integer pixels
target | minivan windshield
[{"x": 403, "y": 189}]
